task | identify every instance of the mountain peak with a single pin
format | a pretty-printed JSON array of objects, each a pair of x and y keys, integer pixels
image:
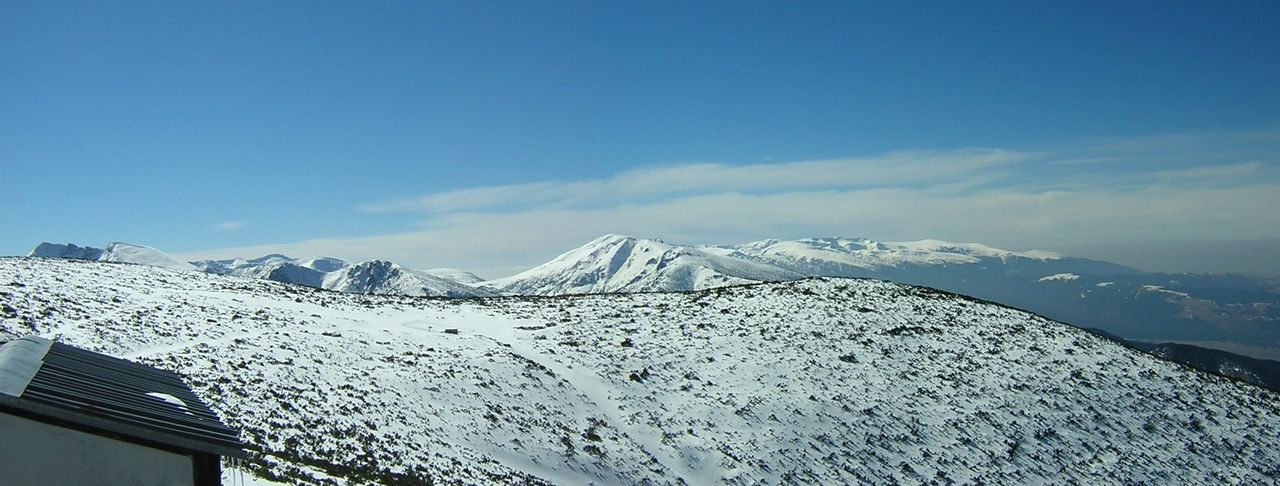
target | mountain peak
[
  {"x": 388, "y": 278},
  {"x": 611, "y": 239},
  {"x": 615, "y": 263},
  {"x": 69, "y": 250},
  {"x": 114, "y": 252},
  {"x": 130, "y": 253},
  {"x": 325, "y": 264},
  {"x": 270, "y": 258}
]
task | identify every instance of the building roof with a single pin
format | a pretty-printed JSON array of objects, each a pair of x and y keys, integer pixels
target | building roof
[{"x": 84, "y": 389}]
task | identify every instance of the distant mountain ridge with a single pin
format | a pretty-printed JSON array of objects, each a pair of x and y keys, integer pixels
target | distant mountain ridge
[
  {"x": 460, "y": 276},
  {"x": 114, "y": 252},
  {"x": 1120, "y": 299},
  {"x": 71, "y": 251},
  {"x": 1117, "y": 298},
  {"x": 832, "y": 256},
  {"x": 370, "y": 277},
  {"x": 816, "y": 253},
  {"x": 1261, "y": 372},
  {"x": 1264, "y": 372},
  {"x": 614, "y": 263},
  {"x": 385, "y": 278}
]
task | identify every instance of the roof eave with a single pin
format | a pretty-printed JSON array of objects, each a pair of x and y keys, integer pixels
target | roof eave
[{"x": 115, "y": 429}]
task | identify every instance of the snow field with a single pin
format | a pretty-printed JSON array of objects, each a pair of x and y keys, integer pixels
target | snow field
[{"x": 816, "y": 381}]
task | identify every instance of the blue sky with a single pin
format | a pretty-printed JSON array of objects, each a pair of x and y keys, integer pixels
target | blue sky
[{"x": 493, "y": 135}]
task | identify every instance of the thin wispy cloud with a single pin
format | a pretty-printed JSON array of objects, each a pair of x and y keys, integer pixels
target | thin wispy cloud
[
  {"x": 895, "y": 169},
  {"x": 1020, "y": 200},
  {"x": 1212, "y": 173}
]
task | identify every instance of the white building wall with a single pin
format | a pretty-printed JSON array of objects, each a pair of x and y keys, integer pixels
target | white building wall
[{"x": 37, "y": 454}]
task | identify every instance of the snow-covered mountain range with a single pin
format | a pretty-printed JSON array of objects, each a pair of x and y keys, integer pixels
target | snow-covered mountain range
[
  {"x": 1090, "y": 293},
  {"x": 1218, "y": 310},
  {"x": 370, "y": 277},
  {"x": 830, "y": 255},
  {"x": 385, "y": 278},
  {"x": 114, "y": 252},
  {"x": 815, "y": 381},
  {"x": 615, "y": 263}
]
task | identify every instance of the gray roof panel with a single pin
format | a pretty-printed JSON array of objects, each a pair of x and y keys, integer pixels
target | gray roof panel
[
  {"x": 131, "y": 399},
  {"x": 19, "y": 361}
]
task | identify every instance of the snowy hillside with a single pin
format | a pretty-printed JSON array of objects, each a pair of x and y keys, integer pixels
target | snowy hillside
[
  {"x": 324, "y": 264},
  {"x": 615, "y": 263},
  {"x": 460, "y": 276},
  {"x": 262, "y": 265},
  {"x": 371, "y": 277},
  {"x": 386, "y": 278},
  {"x": 818, "y": 381},
  {"x": 270, "y": 267},
  {"x": 57, "y": 250},
  {"x": 114, "y": 252}
]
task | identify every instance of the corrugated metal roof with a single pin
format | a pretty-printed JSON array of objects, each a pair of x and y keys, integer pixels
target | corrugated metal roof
[{"x": 119, "y": 396}]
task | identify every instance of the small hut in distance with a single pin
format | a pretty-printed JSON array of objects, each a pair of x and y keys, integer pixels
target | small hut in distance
[{"x": 72, "y": 416}]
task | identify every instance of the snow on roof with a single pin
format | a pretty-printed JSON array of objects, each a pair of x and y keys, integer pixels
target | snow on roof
[{"x": 19, "y": 362}]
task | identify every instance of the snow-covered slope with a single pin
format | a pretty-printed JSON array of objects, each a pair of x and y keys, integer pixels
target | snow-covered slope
[
  {"x": 241, "y": 267},
  {"x": 114, "y": 252},
  {"x": 57, "y": 250},
  {"x": 275, "y": 267},
  {"x": 614, "y": 263},
  {"x": 143, "y": 255},
  {"x": 371, "y": 277},
  {"x": 460, "y": 276},
  {"x": 286, "y": 272},
  {"x": 818, "y": 381},
  {"x": 324, "y": 264},
  {"x": 385, "y": 278}
]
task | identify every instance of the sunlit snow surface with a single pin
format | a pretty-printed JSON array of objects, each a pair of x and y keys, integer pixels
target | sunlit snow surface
[
  {"x": 1061, "y": 277},
  {"x": 614, "y": 263},
  {"x": 171, "y": 400},
  {"x": 128, "y": 253},
  {"x": 813, "y": 382}
]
